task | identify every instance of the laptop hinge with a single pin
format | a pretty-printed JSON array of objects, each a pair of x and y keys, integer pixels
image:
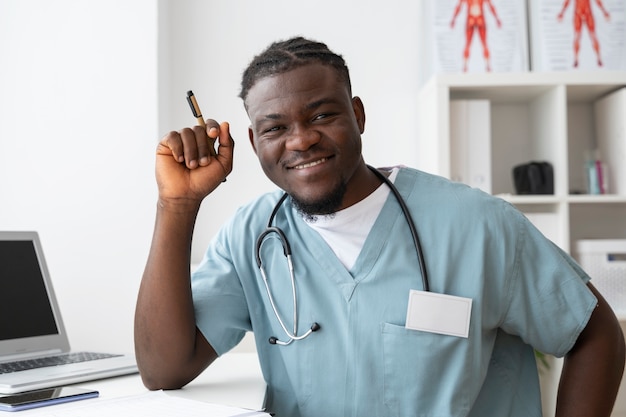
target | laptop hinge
[{"x": 30, "y": 355}]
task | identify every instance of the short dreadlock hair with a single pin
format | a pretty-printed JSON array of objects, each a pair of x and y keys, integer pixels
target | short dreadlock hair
[{"x": 290, "y": 54}]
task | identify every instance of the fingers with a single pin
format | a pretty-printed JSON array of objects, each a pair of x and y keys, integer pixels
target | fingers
[
  {"x": 191, "y": 146},
  {"x": 194, "y": 146},
  {"x": 184, "y": 146}
]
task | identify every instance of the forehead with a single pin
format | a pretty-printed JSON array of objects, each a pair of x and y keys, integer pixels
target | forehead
[{"x": 297, "y": 87}]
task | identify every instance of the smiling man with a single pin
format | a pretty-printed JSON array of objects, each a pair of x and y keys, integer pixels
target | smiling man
[
  {"x": 306, "y": 130},
  {"x": 337, "y": 327}
]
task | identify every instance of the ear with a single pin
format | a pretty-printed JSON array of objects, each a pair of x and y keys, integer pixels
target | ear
[
  {"x": 251, "y": 138},
  {"x": 359, "y": 113}
]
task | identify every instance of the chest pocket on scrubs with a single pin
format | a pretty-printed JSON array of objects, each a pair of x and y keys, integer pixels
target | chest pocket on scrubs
[{"x": 425, "y": 374}]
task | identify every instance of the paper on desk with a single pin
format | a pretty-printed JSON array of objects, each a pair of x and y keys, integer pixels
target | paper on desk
[{"x": 151, "y": 404}]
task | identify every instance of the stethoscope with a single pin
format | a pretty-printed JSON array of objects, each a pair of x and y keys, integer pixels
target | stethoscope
[{"x": 287, "y": 251}]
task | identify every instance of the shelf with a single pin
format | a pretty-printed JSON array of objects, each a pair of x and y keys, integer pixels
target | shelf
[
  {"x": 531, "y": 199},
  {"x": 590, "y": 81},
  {"x": 597, "y": 199},
  {"x": 551, "y": 199},
  {"x": 531, "y": 116},
  {"x": 523, "y": 87}
]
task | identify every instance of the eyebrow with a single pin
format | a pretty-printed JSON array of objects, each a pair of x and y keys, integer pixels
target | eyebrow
[{"x": 310, "y": 106}]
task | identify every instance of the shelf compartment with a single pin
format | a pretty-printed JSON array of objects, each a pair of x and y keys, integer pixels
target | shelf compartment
[
  {"x": 603, "y": 219},
  {"x": 533, "y": 117}
]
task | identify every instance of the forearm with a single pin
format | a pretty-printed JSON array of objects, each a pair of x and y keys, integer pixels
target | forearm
[
  {"x": 493, "y": 10},
  {"x": 165, "y": 331},
  {"x": 593, "y": 370}
]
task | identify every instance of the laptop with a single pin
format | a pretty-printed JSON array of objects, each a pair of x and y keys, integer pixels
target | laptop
[{"x": 34, "y": 347}]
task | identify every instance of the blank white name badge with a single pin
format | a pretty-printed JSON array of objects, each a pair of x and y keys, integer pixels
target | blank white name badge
[{"x": 438, "y": 313}]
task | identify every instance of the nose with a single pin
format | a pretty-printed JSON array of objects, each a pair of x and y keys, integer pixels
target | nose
[{"x": 302, "y": 138}]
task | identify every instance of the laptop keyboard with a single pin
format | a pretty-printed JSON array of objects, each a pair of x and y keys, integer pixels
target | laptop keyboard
[{"x": 64, "y": 359}]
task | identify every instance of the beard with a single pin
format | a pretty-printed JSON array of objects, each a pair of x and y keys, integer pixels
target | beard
[{"x": 328, "y": 205}]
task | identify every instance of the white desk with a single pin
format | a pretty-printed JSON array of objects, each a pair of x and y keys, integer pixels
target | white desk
[{"x": 234, "y": 379}]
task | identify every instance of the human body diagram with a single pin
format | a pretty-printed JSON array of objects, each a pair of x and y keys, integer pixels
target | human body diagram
[
  {"x": 583, "y": 15},
  {"x": 475, "y": 22}
]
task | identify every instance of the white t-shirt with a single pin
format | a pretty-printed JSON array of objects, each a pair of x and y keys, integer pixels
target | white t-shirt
[{"x": 346, "y": 230}]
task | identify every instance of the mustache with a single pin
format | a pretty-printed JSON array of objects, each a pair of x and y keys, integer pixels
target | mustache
[{"x": 297, "y": 157}]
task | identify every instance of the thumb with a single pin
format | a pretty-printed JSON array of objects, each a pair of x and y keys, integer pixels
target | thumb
[
  {"x": 226, "y": 147},
  {"x": 225, "y": 139}
]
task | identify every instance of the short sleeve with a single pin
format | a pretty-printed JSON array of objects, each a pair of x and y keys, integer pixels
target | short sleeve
[
  {"x": 549, "y": 301},
  {"x": 219, "y": 302}
]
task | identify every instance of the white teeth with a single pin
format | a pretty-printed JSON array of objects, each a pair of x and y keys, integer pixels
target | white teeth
[{"x": 310, "y": 164}]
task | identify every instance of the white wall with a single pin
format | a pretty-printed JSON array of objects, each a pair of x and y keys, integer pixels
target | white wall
[
  {"x": 84, "y": 97},
  {"x": 78, "y": 119}
]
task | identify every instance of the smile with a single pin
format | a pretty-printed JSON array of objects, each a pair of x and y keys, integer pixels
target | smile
[{"x": 310, "y": 164}]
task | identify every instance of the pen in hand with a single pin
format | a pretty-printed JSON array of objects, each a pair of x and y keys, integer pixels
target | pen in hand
[{"x": 195, "y": 109}]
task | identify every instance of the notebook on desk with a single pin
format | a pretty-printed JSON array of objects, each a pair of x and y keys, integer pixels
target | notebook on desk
[{"x": 34, "y": 347}]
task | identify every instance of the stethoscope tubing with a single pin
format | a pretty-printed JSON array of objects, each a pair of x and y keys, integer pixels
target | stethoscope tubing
[
  {"x": 412, "y": 228},
  {"x": 287, "y": 252}
]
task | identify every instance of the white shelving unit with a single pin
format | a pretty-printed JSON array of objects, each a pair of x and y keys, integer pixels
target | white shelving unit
[{"x": 533, "y": 117}]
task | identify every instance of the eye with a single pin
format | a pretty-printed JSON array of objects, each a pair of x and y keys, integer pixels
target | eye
[
  {"x": 271, "y": 129},
  {"x": 271, "y": 132},
  {"x": 323, "y": 116}
]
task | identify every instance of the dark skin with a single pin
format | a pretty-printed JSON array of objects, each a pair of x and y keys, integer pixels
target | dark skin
[
  {"x": 592, "y": 369},
  {"x": 306, "y": 131},
  {"x": 311, "y": 119},
  {"x": 307, "y": 135}
]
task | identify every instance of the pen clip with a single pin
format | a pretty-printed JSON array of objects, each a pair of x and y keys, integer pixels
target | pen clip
[{"x": 191, "y": 99}]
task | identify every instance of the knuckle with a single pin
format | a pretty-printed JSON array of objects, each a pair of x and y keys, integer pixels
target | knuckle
[
  {"x": 197, "y": 130},
  {"x": 171, "y": 139}
]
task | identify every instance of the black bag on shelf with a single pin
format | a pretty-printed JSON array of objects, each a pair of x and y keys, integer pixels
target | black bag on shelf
[{"x": 534, "y": 178}]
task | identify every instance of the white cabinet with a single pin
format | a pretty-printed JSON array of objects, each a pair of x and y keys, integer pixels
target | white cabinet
[{"x": 534, "y": 117}]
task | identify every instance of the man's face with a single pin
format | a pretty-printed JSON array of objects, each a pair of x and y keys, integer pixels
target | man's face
[{"x": 306, "y": 131}]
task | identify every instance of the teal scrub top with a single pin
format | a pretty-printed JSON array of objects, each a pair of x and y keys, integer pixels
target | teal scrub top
[{"x": 363, "y": 361}]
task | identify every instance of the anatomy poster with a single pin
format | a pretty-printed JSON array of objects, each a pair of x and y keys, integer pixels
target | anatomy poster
[
  {"x": 569, "y": 35},
  {"x": 478, "y": 35}
]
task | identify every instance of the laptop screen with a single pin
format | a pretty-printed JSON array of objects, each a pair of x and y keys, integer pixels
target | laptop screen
[{"x": 25, "y": 310}]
